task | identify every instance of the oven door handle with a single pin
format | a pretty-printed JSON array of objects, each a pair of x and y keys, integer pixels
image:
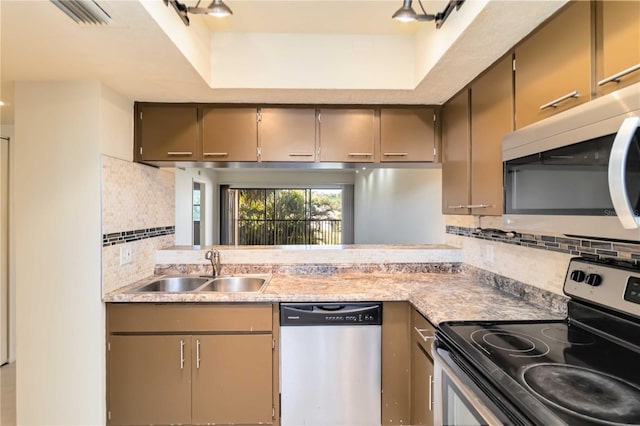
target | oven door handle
[
  {"x": 441, "y": 368},
  {"x": 617, "y": 182}
]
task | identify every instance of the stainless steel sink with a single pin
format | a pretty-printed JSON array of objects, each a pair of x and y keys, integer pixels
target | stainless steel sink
[
  {"x": 173, "y": 285},
  {"x": 235, "y": 284},
  {"x": 223, "y": 284}
]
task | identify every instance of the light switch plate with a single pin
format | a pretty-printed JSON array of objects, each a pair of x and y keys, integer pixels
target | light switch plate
[{"x": 125, "y": 254}]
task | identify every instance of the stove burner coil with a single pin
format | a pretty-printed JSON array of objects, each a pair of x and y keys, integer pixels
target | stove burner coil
[
  {"x": 585, "y": 393},
  {"x": 517, "y": 344}
]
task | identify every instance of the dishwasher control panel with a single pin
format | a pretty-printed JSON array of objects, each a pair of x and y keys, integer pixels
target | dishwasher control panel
[{"x": 310, "y": 314}]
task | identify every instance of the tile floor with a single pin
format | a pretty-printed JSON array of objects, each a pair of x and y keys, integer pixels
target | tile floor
[{"x": 8, "y": 395}]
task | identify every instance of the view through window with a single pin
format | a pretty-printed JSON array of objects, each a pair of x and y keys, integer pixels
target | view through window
[{"x": 285, "y": 216}]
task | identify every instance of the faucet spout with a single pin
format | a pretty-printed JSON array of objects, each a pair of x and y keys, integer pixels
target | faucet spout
[{"x": 213, "y": 256}]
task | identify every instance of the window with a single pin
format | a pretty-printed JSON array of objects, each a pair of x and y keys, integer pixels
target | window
[{"x": 282, "y": 216}]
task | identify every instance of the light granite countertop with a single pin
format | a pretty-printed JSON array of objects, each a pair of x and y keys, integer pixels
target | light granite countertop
[{"x": 439, "y": 297}]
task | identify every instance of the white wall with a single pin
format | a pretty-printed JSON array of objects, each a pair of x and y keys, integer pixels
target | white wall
[
  {"x": 399, "y": 206},
  {"x": 9, "y": 131},
  {"x": 313, "y": 61},
  {"x": 60, "y": 316},
  {"x": 116, "y": 124},
  {"x": 184, "y": 212}
]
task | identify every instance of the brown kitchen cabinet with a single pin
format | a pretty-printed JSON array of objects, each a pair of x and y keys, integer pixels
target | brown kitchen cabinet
[
  {"x": 166, "y": 132},
  {"x": 347, "y": 135},
  {"x": 287, "y": 134},
  {"x": 149, "y": 380},
  {"x": 396, "y": 363},
  {"x": 456, "y": 150},
  {"x": 474, "y": 123},
  {"x": 553, "y": 66},
  {"x": 491, "y": 120},
  {"x": 617, "y": 45},
  {"x": 230, "y": 134},
  {"x": 407, "y": 134},
  {"x": 232, "y": 376},
  {"x": 421, "y": 370},
  {"x": 191, "y": 364}
]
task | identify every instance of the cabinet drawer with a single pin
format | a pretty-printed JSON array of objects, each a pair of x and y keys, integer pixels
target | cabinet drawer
[
  {"x": 422, "y": 330},
  {"x": 137, "y": 317}
]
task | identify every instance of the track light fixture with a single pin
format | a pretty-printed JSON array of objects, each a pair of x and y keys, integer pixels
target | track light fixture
[
  {"x": 216, "y": 8},
  {"x": 407, "y": 14}
]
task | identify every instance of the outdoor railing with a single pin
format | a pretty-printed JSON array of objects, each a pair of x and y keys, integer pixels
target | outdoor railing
[{"x": 290, "y": 231}]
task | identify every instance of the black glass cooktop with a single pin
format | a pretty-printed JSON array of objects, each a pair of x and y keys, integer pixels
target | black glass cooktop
[{"x": 577, "y": 376}]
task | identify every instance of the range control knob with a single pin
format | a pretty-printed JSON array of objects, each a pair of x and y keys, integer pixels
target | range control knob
[
  {"x": 593, "y": 279},
  {"x": 578, "y": 275}
]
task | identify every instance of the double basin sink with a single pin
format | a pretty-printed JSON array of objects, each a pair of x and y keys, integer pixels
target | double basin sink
[{"x": 221, "y": 284}]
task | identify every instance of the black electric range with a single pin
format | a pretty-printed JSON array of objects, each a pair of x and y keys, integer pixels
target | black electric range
[{"x": 584, "y": 370}]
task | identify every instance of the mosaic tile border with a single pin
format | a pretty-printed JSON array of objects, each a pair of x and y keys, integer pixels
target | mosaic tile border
[
  {"x": 593, "y": 249},
  {"x": 136, "y": 235}
]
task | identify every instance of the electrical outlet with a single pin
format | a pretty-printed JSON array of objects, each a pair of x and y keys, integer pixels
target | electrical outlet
[
  {"x": 125, "y": 254},
  {"x": 490, "y": 254}
]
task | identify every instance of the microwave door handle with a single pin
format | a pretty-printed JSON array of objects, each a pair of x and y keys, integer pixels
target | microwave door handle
[{"x": 617, "y": 183}]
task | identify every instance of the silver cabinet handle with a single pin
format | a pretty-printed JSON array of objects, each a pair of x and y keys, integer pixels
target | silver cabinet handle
[
  {"x": 181, "y": 354},
  {"x": 215, "y": 154},
  {"x": 554, "y": 103},
  {"x": 430, "y": 393},
  {"x": 617, "y": 179},
  {"x": 177, "y": 153},
  {"x": 300, "y": 154},
  {"x": 198, "y": 354},
  {"x": 459, "y": 206},
  {"x": 395, "y": 154},
  {"x": 420, "y": 330},
  {"x": 616, "y": 77},
  {"x": 360, "y": 154},
  {"x": 478, "y": 206}
]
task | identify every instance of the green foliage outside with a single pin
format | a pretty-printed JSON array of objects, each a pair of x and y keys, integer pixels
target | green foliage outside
[{"x": 289, "y": 216}]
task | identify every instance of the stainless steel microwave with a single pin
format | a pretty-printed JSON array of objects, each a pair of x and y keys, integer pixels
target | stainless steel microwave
[{"x": 577, "y": 173}]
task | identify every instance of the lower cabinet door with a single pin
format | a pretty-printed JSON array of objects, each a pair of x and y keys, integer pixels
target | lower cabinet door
[
  {"x": 149, "y": 380},
  {"x": 232, "y": 379},
  {"x": 422, "y": 387}
]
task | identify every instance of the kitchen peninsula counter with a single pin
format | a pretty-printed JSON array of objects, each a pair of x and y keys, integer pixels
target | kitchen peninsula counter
[{"x": 438, "y": 296}]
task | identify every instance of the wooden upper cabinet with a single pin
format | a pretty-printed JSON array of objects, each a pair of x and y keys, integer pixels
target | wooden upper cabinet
[
  {"x": 618, "y": 44},
  {"x": 407, "y": 135},
  {"x": 288, "y": 134},
  {"x": 167, "y": 133},
  {"x": 553, "y": 66},
  {"x": 230, "y": 134},
  {"x": 347, "y": 135},
  {"x": 455, "y": 154},
  {"x": 491, "y": 120}
]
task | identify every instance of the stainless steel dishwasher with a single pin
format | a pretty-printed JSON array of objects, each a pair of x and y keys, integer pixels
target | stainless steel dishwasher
[{"x": 330, "y": 364}]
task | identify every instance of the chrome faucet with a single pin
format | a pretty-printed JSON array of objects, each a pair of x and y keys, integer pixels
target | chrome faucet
[{"x": 213, "y": 256}]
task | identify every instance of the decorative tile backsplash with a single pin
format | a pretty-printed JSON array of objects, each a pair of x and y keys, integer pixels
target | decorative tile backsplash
[
  {"x": 138, "y": 209},
  {"x": 135, "y": 196},
  {"x": 594, "y": 249},
  {"x": 137, "y": 235}
]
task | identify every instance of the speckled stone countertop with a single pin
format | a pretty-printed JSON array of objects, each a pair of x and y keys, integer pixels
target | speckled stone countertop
[{"x": 439, "y": 297}]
